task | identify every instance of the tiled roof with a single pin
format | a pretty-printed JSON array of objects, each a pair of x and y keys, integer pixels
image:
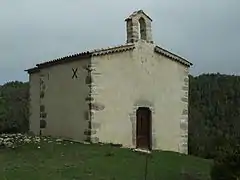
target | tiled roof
[
  {"x": 172, "y": 56},
  {"x": 32, "y": 70},
  {"x": 65, "y": 59},
  {"x": 137, "y": 12},
  {"x": 83, "y": 55},
  {"x": 115, "y": 49},
  {"x": 104, "y": 51}
]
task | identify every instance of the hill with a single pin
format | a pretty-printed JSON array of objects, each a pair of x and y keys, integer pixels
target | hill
[{"x": 64, "y": 160}]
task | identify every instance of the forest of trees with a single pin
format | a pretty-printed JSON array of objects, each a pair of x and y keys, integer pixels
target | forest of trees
[{"x": 214, "y": 111}]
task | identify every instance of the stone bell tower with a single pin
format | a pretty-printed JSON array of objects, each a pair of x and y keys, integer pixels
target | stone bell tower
[{"x": 139, "y": 27}]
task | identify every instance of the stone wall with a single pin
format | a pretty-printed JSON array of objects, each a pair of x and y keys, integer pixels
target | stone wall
[{"x": 59, "y": 100}]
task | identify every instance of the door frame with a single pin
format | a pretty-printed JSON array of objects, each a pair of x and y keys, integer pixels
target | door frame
[{"x": 149, "y": 145}]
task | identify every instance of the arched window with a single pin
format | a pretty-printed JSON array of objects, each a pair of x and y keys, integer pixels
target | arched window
[{"x": 142, "y": 29}]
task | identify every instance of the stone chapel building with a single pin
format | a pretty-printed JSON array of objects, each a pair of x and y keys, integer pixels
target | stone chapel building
[{"x": 135, "y": 94}]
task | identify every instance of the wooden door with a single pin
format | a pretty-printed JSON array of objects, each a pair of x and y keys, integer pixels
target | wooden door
[{"x": 143, "y": 128}]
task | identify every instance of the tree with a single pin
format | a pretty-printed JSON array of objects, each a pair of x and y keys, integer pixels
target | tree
[
  {"x": 14, "y": 107},
  {"x": 227, "y": 163}
]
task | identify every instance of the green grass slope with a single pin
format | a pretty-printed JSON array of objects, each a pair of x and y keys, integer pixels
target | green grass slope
[{"x": 73, "y": 161}]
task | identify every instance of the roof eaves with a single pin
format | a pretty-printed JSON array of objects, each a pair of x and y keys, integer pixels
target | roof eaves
[
  {"x": 61, "y": 60},
  {"x": 172, "y": 56},
  {"x": 32, "y": 70},
  {"x": 65, "y": 59}
]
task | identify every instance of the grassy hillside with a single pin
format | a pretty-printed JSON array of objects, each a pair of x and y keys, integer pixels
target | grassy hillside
[{"x": 72, "y": 161}]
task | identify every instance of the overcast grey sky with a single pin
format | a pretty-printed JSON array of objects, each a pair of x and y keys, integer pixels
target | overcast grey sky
[{"x": 206, "y": 32}]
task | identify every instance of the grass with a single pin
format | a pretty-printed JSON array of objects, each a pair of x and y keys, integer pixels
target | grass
[{"x": 73, "y": 161}]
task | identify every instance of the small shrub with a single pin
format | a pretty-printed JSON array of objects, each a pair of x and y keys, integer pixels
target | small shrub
[{"x": 227, "y": 164}]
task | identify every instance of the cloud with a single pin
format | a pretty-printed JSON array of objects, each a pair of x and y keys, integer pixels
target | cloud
[{"x": 205, "y": 32}]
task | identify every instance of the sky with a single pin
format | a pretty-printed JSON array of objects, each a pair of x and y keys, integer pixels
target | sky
[{"x": 205, "y": 32}]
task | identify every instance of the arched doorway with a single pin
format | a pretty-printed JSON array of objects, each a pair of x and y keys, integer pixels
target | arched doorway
[{"x": 144, "y": 128}]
